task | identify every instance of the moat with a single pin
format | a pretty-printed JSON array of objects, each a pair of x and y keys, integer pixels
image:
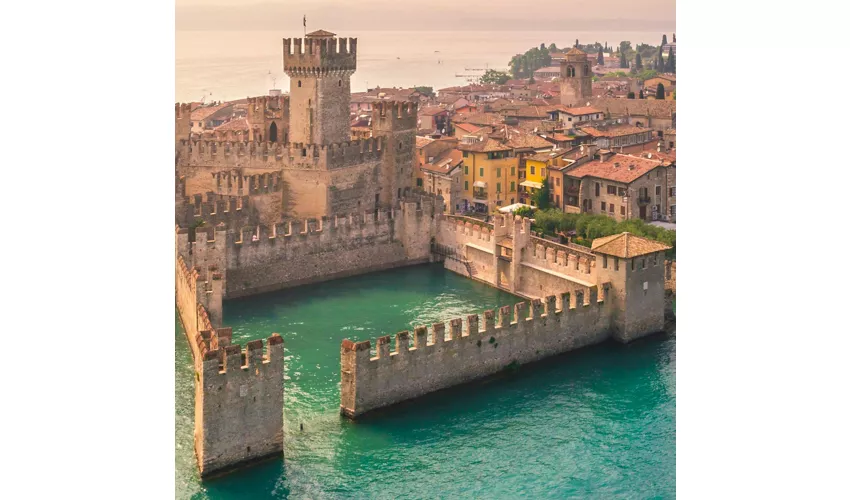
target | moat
[{"x": 596, "y": 422}]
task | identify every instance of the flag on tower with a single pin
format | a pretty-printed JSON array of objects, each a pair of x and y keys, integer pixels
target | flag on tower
[{"x": 305, "y": 21}]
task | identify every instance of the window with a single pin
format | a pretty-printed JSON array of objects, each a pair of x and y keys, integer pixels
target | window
[
  {"x": 465, "y": 154},
  {"x": 612, "y": 189},
  {"x": 419, "y": 182},
  {"x": 597, "y": 189},
  {"x": 557, "y": 181},
  {"x": 513, "y": 171},
  {"x": 633, "y": 264},
  {"x": 299, "y": 83},
  {"x": 498, "y": 187},
  {"x": 621, "y": 191},
  {"x": 616, "y": 263},
  {"x": 604, "y": 262},
  {"x": 673, "y": 210},
  {"x": 481, "y": 171},
  {"x": 513, "y": 186},
  {"x": 569, "y": 119},
  {"x": 499, "y": 172},
  {"x": 673, "y": 191},
  {"x": 622, "y": 210},
  {"x": 340, "y": 83},
  {"x": 657, "y": 190},
  {"x": 466, "y": 169},
  {"x": 466, "y": 185},
  {"x": 643, "y": 263},
  {"x": 603, "y": 205},
  {"x": 611, "y": 208},
  {"x": 532, "y": 170}
]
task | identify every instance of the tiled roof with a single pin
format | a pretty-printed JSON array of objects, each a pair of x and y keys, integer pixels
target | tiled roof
[
  {"x": 617, "y": 168},
  {"x": 586, "y": 110},
  {"x": 547, "y": 155},
  {"x": 421, "y": 142},
  {"x": 480, "y": 118},
  {"x": 467, "y": 127},
  {"x": 445, "y": 162},
  {"x": 321, "y": 33},
  {"x": 527, "y": 141},
  {"x": 484, "y": 146},
  {"x": 576, "y": 51},
  {"x": 613, "y": 131},
  {"x": 206, "y": 111},
  {"x": 626, "y": 245},
  {"x": 237, "y": 124},
  {"x": 646, "y": 107},
  {"x": 432, "y": 110}
]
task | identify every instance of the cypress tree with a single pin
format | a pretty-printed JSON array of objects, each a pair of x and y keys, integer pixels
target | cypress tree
[
  {"x": 659, "y": 92},
  {"x": 640, "y": 95},
  {"x": 638, "y": 62},
  {"x": 659, "y": 59},
  {"x": 631, "y": 95},
  {"x": 600, "y": 59},
  {"x": 670, "y": 67},
  {"x": 663, "y": 39},
  {"x": 624, "y": 63}
]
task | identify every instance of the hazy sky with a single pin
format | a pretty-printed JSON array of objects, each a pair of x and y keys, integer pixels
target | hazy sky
[{"x": 428, "y": 15}]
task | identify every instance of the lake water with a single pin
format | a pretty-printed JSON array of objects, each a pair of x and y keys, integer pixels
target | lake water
[
  {"x": 236, "y": 64},
  {"x": 595, "y": 423}
]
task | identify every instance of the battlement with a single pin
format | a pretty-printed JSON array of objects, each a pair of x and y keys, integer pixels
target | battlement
[
  {"x": 232, "y": 211},
  {"x": 557, "y": 255},
  {"x": 510, "y": 336},
  {"x": 249, "y": 154},
  {"x": 182, "y": 110},
  {"x": 393, "y": 115},
  {"x": 319, "y": 56},
  {"x": 223, "y": 358}
]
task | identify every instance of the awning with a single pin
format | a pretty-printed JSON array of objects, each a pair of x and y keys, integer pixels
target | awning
[
  {"x": 531, "y": 184},
  {"x": 479, "y": 184},
  {"x": 511, "y": 208}
]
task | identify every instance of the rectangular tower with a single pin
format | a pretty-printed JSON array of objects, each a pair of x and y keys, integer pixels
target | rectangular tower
[{"x": 320, "y": 68}]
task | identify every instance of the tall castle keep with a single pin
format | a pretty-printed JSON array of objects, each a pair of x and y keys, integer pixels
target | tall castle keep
[
  {"x": 304, "y": 141},
  {"x": 576, "y": 78}
]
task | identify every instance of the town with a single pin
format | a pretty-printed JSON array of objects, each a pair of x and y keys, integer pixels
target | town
[{"x": 552, "y": 183}]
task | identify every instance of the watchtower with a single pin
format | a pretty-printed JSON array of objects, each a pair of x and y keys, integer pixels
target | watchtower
[
  {"x": 396, "y": 121},
  {"x": 319, "y": 66},
  {"x": 576, "y": 78},
  {"x": 268, "y": 118}
]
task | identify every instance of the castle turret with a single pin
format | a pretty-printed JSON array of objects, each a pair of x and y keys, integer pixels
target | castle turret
[
  {"x": 320, "y": 68},
  {"x": 396, "y": 121},
  {"x": 268, "y": 118},
  {"x": 182, "y": 122},
  {"x": 576, "y": 78}
]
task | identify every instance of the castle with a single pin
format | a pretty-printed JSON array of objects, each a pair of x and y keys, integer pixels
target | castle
[{"x": 294, "y": 201}]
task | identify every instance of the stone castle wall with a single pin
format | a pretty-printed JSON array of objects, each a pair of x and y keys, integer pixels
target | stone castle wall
[
  {"x": 262, "y": 259},
  {"x": 238, "y": 397},
  {"x": 469, "y": 353}
]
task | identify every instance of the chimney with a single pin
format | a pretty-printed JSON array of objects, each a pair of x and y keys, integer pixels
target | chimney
[
  {"x": 631, "y": 167},
  {"x": 617, "y": 165}
]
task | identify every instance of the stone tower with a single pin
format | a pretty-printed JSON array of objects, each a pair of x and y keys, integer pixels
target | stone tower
[
  {"x": 395, "y": 121},
  {"x": 576, "y": 78},
  {"x": 182, "y": 122},
  {"x": 268, "y": 118},
  {"x": 319, "y": 67}
]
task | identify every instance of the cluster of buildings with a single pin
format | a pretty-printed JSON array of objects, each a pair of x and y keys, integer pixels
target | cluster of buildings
[{"x": 487, "y": 147}]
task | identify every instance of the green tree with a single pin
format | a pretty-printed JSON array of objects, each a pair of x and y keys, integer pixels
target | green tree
[
  {"x": 491, "y": 76},
  {"x": 670, "y": 66},
  {"x": 540, "y": 197},
  {"x": 542, "y": 46},
  {"x": 664, "y": 39},
  {"x": 659, "y": 59},
  {"x": 624, "y": 63},
  {"x": 524, "y": 212},
  {"x": 640, "y": 94},
  {"x": 531, "y": 80},
  {"x": 659, "y": 91},
  {"x": 638, "y": 62},
  {"x": 428, "y": 91},
  {"x": 630, "y": 95},
  {"x": 600, "y": 59},
  {"x": 553, "y": 47}
]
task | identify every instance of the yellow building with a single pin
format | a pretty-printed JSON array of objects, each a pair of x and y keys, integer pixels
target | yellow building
[
  {"x": 535, "y": 175},
  {"x": 490, "y": 178}
]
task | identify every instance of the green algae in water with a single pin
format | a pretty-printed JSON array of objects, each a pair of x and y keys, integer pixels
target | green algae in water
[{"x": 597, "y": 422}]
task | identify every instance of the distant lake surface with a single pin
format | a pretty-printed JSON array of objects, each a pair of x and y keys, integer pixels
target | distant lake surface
[{"x": 236, "y": 64}]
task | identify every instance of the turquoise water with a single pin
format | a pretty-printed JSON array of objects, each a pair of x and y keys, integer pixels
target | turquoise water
[{"x": 599, "y": 422}]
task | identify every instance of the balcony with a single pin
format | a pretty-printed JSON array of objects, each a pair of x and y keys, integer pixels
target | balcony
[{"x": 644, "y": 200}]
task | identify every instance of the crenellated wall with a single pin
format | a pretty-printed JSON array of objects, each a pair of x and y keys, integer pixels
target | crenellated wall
[
  {"x": 238, "y": 397},
  {"x": 470, "y": 352},
  {"x": 261, "y": 259}
]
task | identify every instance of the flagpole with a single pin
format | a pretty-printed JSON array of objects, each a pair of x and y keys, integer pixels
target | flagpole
[{"x": 305, "y": 26}]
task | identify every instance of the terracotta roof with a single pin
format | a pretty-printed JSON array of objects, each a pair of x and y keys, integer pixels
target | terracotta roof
[
  {"x": 647, "y": 107},
  {"x": 484, "y": 146},
  {"x": 665, "y": 76},
  {"x": 480, "y": 118},
  {"x": 432, "y": 110},
  {"x": 534, "y": 111},
  {"x": 626, "y": 245},
  {"x": 237, "y": 124},
  {"x": 467, "y": 127},
  {"x": 547, "y": 155},
  {"x": 421, "y": 142},
  {"x": 617, "y": 168},
  {"x": 206, "y": 111},
  {"x": 576, "y": 51},
  {"x": 318, "y": 33},
  {"x": 613, "y": 131},
  {"x": 670, "y": 131},
  {"x": 526, "y": 141},
  {"x": 445, "y": 162},
  {"x": 586, "y": 110}
]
